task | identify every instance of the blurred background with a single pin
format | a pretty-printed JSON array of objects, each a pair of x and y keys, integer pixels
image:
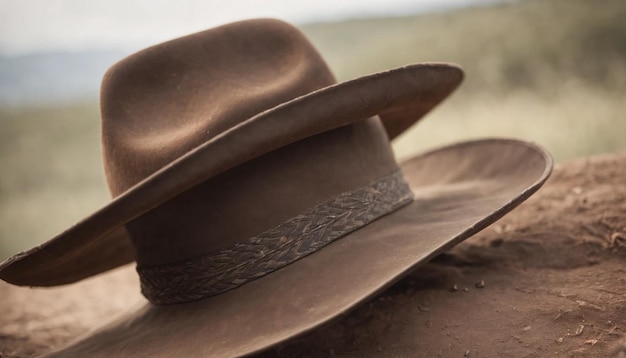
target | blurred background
[{"x": 549, "y": 71}]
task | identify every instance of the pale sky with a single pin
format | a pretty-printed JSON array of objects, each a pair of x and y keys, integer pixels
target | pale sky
[{"x": 73, "y": 25}]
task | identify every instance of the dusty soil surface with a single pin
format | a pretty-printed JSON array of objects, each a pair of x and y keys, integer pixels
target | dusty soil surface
[{"x": 547, "y": 280}]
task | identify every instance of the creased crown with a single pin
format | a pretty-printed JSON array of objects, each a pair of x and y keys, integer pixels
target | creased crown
[{"x": 166, "y": 100}]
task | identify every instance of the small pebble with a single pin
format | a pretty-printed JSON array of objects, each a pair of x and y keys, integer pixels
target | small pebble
[
  {"x": 465, "y": 289},
  {"x": 454, "y": 288},
  {"x": 480, "y": 284},
  {"x": 466, "y": 354},
  {"x": 559, "y": 340},
  {"x": 579, "y": 330}
]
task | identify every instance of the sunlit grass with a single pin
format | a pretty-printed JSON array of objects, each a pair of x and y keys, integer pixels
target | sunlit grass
[
  {"x": 579, "y": 121},
  {"x": 52, "y": 172}
]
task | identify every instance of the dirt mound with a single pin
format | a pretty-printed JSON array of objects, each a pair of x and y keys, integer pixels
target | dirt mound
[{"x": 549, "y": 279}]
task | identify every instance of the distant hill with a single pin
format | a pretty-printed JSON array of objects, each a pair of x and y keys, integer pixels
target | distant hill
[
  {"x": 511, "y": 45},
  {"x": 54, "y": 76}
]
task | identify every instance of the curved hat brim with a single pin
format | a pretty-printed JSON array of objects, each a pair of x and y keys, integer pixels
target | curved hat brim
[
  {"x": 458, "y": 190},
  {"x": 100, "y": 242}
]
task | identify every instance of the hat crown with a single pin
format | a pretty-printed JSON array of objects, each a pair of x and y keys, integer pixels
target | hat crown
[{"x": 166, "y": 100}]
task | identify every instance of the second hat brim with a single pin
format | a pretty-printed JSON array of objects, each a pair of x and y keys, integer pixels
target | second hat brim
[{"x": 458, "y": 190}]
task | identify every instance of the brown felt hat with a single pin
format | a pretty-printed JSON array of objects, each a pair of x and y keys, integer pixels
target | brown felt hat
[{"x": 260, "y": 199}]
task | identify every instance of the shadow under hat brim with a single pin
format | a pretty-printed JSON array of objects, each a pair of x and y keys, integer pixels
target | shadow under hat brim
[
  {"x": 100, "y": 242},
  {"x": 459, "y": 190}
]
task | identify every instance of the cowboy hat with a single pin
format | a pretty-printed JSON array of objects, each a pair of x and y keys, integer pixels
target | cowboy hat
[{"x": 260, "y": 199}]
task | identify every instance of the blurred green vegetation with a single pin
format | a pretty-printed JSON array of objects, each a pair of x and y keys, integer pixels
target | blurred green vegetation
[
  {"x": 532, "y": 44},
  {"x": 52, "y": 171},
  {"x": 550, "y": 71}
]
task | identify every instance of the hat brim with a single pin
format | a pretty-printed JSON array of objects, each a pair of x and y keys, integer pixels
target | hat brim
[
  {"x": 459, "y": 190},
  {"x": 100, "y": 242}
]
